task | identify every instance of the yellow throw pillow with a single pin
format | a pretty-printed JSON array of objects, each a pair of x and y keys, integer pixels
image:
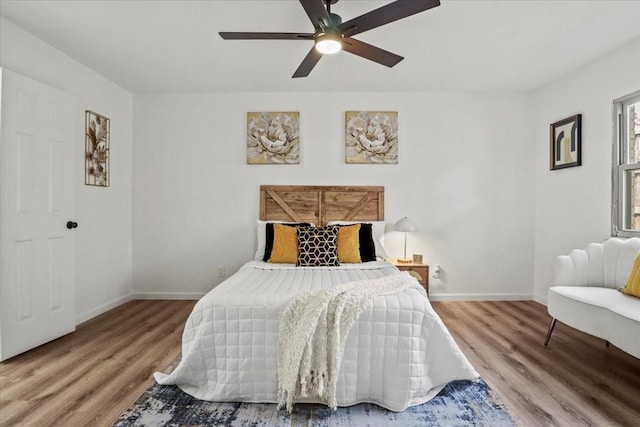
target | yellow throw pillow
[
  {"x": 285, "y": 245},
  {"x": 632, "y": 286},
  {"x": 349, "y": 244}
]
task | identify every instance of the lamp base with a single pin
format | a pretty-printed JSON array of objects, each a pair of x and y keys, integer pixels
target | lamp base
[{"x": 404, "y": 260}]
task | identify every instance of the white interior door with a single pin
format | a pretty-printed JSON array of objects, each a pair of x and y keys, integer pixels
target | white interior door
[{"x": 37, "y": 273}]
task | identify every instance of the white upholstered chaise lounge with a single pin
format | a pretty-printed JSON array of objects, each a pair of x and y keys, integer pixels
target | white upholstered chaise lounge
[{"x": 586, "y": 293}]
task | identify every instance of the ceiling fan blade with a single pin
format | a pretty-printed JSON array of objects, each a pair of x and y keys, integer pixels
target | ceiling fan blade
[
  {"x": 308, "y": 63},
  {"x": 370, "y": 52},
  {"x": 265, "y": 36},
  {"x": 383, "y": 15},
  {"x": 317, "y": 12}
]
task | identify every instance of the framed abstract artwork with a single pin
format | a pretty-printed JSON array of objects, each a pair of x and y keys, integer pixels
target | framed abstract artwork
[
  {"x": 566, "y": 143},
  {"x": 273, "y": 138},
  {"x": 96, "y": 170},
  {"x": 371, "y": 137}
]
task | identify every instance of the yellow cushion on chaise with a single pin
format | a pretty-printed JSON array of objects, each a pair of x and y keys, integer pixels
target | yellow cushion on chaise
[{"x": 632, "y": 287}]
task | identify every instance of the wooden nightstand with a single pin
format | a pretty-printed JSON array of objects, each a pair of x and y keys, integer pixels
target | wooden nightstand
[{"x": 421, "y": 269}]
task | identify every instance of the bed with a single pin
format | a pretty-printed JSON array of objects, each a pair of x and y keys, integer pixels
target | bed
[{"x": 397, "y": 354}]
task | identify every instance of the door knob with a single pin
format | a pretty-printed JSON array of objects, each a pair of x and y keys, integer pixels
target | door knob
[{"x": 72, "y": 224}]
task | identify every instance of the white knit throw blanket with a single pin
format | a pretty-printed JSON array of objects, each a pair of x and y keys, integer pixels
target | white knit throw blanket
[{"x": 313, "y": 332}]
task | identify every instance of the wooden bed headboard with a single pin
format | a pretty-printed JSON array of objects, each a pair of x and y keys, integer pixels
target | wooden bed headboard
[{"x": 320, "y": 203}]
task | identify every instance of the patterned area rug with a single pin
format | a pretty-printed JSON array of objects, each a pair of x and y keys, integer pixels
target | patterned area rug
[{"x": 460, "y": 403}]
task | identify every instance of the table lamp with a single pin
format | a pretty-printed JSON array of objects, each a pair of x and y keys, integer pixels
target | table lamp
[{"x": 404, "y": 225}]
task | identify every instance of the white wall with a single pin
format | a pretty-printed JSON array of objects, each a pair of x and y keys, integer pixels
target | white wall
[
  {"x": 464, "y": 176},
  {"x": 573, "y": 206},
  {"x": 103, "y": 238},
  {"x": 468, "y": 162}
]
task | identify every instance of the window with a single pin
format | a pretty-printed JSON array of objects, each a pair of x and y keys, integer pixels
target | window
[{"x": 626, "y": 166}]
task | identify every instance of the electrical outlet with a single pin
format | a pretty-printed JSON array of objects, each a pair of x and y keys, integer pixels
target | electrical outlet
[
  {"x": 221, "y": 272},
  {"x": 436, "y": 272}
]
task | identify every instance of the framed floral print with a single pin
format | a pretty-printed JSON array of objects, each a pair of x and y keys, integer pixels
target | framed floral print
[
  {"x": 273, "y": 138},
  {"x": 96, "y": 149},
  {"x": 371, "y": 137}
]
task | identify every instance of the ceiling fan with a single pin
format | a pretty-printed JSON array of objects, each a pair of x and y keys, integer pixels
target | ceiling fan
[{"x": 332, "y": 35}]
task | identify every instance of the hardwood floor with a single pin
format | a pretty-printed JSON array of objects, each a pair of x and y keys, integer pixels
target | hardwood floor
[
  {"x": 90, "y": 377},
  {"x": 575, "y": 381}
]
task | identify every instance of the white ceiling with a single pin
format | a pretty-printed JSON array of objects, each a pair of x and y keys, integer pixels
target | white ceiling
[{"x": 173, "y": 46}]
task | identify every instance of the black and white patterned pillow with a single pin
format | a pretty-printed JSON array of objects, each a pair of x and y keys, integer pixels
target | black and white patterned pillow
[{"x": 317, "y": 246}]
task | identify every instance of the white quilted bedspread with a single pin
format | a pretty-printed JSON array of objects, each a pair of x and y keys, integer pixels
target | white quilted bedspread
[{"x": 397, "y": 354}]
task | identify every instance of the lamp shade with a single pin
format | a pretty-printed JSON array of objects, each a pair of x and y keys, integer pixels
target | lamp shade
[{"x": 404, "y": 224}]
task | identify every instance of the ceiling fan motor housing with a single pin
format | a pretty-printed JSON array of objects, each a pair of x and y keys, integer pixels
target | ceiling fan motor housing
[{"x": 335, "y": 19}]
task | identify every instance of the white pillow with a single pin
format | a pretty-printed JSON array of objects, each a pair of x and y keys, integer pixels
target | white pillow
[
  {"x": 377, "y": 229},
  {"x": 261, "y": 235}
]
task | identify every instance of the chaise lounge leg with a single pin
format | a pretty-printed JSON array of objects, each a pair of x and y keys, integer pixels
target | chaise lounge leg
[{"x": 551, "y": 326}]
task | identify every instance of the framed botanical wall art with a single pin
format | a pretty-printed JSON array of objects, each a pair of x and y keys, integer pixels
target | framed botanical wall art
[
  {"x": 371, "y": 137},
  {"x": 273, "y": 138},
  {"x": 566, "y": 143},
  {"x": 96, "y": 149}
]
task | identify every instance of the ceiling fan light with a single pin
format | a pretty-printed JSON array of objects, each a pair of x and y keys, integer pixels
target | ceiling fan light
[{"x": 328, "y": 43}]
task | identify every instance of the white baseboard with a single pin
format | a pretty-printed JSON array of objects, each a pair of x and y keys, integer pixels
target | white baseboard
[
  {"x": 83, "y": 317},
  {"x": 480, "y": 297},
  {"x": 169, "y": 295},
  {"x": 540, "y": 300}
]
